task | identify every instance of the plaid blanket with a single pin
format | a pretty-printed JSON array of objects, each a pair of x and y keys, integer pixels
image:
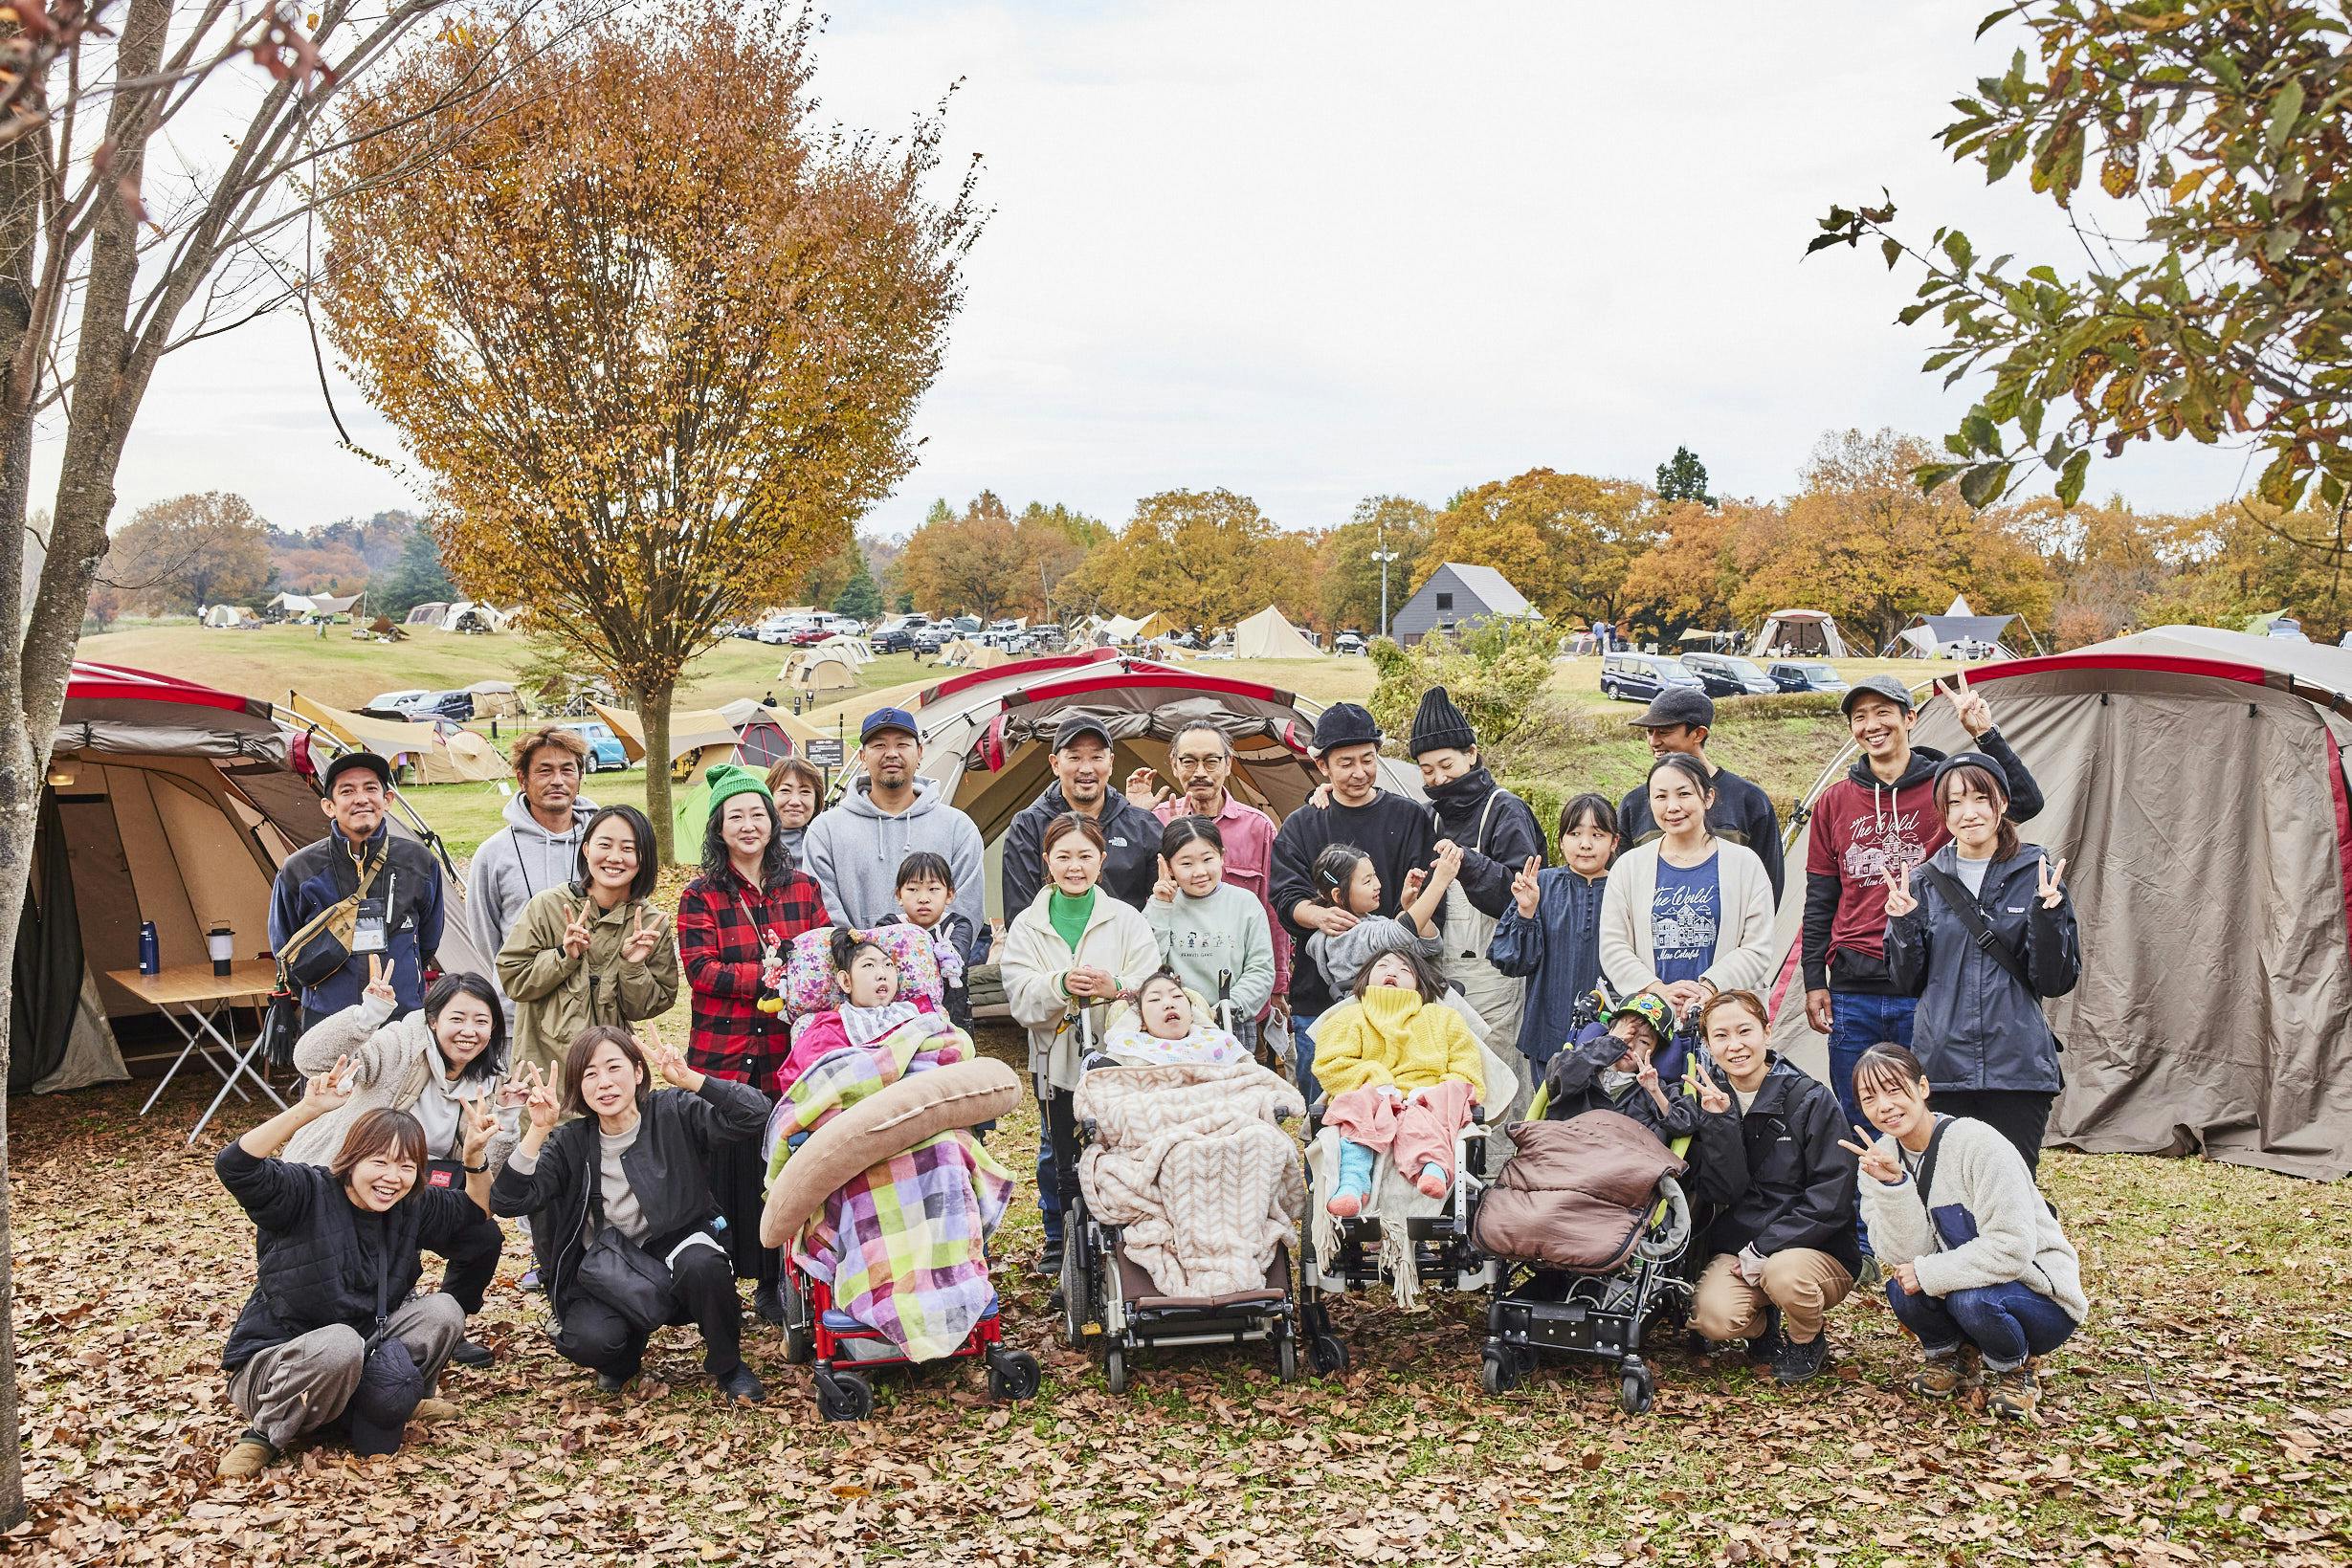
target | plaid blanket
[{"x": 904, "y": 1245}]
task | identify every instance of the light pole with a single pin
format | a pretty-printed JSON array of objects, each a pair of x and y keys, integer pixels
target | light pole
[{"x": 1383, "y": 556}]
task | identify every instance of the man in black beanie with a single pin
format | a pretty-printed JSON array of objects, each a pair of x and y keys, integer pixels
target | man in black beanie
[
  {"x": 1498, "y": 835},
  {"x": 1393, "y": 830}
]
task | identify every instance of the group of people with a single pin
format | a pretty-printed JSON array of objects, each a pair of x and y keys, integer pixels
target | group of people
[{"x": 1625, "y": 977}]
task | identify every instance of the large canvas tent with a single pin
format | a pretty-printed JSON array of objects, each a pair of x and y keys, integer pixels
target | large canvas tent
[
  {"x": 2215, "y": 1011},
  {"x": 495, "y": 699},
  {"x": 698, "y": 737},
  {"x": 1267, "y": 635},
  {"x": 765, "y": 736},
  {"x": 432, "y": 757},
  {"x": 1799, "y": 634},
  {"x": 1959, "y": 632},
  {"x": 820, "y": 672},
  {"x": 167, "y": 802}
]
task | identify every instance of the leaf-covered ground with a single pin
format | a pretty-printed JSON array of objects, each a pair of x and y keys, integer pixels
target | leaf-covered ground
[{"x": 2204, "y": 1417}]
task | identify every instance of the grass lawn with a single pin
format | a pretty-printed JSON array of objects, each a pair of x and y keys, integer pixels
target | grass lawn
[{"x": 2202, "y": 1416}]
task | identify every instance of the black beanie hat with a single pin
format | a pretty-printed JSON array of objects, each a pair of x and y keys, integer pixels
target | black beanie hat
[
  {"x": 1344, "y": 724},
  {"x": 1439, "y": 725}
]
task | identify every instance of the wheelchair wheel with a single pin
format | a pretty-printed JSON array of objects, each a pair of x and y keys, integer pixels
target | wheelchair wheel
[
  {"x": 844, "y": 1396},
  {"x": 1286, "y": 1358},
  {"x": 799, "y": 1345},
  {"x": 1498, "y": 1369},
  {"x": 1115, "y": 1370},
  {"x": 1014, "y": 1375},
  {"x": 1637, "y": 1390},
  {"x": 1075, "y": 1303},
  {"x": 1327, "y": 1355}
]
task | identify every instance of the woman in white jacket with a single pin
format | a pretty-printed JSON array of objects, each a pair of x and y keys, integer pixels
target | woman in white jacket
[
  {"x": 1066, "y": 957},
  {"x": 1686, "y": 914}
]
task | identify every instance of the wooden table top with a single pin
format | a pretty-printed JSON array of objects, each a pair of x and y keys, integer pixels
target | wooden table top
[{"x": 178, "y": 984}]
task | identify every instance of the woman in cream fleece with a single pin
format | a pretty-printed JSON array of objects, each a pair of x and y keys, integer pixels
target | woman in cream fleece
[{"x": 1975, "y": 1259}]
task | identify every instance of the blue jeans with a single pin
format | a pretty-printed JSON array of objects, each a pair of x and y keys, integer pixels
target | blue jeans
[
  {"x": 1858, "y": 1020},
  {"x": 1302, "y": 1035},
  {"x": 2006, "y": 1322}
]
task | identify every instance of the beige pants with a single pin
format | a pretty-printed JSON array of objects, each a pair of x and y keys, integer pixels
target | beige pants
[
  {"x": 1802, "y": 1283},
  {"x": 303, "y": 1384}
]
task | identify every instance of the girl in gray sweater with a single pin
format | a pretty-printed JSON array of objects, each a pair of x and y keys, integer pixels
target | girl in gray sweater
[
  {"x": 1975, "y": 1261},
  {"x": 1206, "y": 927}
]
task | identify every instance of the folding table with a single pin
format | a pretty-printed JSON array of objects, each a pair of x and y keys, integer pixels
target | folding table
[{"x": 193, "y": 992}]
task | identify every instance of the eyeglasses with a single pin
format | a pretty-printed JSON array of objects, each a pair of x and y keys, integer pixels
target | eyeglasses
[{"x": 1199, "y": 764}]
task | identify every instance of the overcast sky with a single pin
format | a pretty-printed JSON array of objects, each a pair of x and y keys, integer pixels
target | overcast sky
[{"x": 1315, "y": 253}]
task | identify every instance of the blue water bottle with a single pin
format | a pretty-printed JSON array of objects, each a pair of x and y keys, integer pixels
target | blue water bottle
[{"x": 150, "y": 951}]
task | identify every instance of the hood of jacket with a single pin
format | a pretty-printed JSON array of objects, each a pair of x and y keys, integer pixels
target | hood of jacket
[
  {"x": 859, "y": 802},
  {"x": 1920, "y": 770},
  {"x": 518, "y": 816}
]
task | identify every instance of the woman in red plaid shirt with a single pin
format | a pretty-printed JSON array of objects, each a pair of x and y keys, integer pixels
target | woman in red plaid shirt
[{"x": 735, "y": 923}]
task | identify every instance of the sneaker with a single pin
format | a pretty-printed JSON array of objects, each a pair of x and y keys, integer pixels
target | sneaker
[
  {"x": 531, "y": 1280},
  {"x": 1767, "y": 1346},
  {"x": 1939, "y": 1378},
  {"x": 433, "y": 1413},
  {"x": 250, "y": 1455},
  {"x": 2014, "y": 1393},
  {"x": 742, "y": 1384},
  {"x": 612, "y": 1382},
  {"x": 768, "y": 1301},
  {"x": 470, "y": 1353},
  {"x": 1795, "y": 1364}
]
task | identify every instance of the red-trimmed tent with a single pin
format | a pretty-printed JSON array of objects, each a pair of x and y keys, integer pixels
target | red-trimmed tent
[{"x": 2197, "y": 789}]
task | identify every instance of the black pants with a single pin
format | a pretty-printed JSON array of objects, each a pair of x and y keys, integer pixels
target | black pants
[
  {"x": 701, "y": 1292},
  {"x": 736, "y": 1172},
  {"x": 1061, "y": 1132},
  {"x": 2016, "y": 1114}
]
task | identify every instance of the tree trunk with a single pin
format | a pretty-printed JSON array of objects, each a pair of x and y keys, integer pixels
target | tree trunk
[{"x": 653, "y": 712}]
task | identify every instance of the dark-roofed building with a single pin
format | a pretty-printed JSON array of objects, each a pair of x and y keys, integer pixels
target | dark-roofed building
[{"x": 1457, "y": 596}]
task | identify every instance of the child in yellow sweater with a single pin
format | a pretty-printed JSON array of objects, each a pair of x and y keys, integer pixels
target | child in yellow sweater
[{"x": 1403, "y": 1071}]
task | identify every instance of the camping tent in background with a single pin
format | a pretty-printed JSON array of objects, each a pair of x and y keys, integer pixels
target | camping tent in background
[
  {"x": 324, "y": 608},
  {"x": 220, "y": 616},
  {"x": 495, "y": 699},
  {"x": 966, "y": 654},
  {"x": 1156, "y": 625},
  {"x": 1799, "y": 634},
  {"x": 2215, "y": 1011},
  {"x": 2275, "y": 623},
  {"x": 1267, "y": 635},
  {"x": 431, "y": 756},
  {"x": 462, "y": 756},
  {"x": 698, "y": 737},
  {"x": 465, "y": 615},
  {"x": 427, "y": 614},
  {"x": 765, "y": 736},
  {"x": 856, "y": 649},
  {"x": 1959, "y": 632},
  {"x": 1119, "y": 628},
  {"x": 167, "y": 802},
  {"x": 818, "y": 672},
  {"x": 287, "y": 606}
]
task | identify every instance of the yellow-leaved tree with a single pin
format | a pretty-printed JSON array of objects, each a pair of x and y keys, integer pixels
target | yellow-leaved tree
[
  {"x": 1565, "y": 540},
  {"x": 655, "y": 333}
]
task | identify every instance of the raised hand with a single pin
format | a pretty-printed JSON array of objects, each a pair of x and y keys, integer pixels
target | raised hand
[
  {"x": 1165, "y": 889},
  {"x": 1899, "y": 899},
  {"x": 2052, "y": 879},
  {"x": 1877, "y": 1163},
  {"x": 1447, "y": 864},
  {"x": 544, "y": 1105},
  {"x": 480, "y": 1125},
  {"x": 1415, "y": 881},
  {"x": 516, "y": 1091},
  {"x": 333, "y": 1088},
  {"x": 1144, "y": 789},
  {"x": 639, "y": 944},
  {"x": 1975, "y": 713},
  {"x": 1526, "y": 890},
  {"x": 377, "y": 986},
  {"x": 667, "y": 1059},
  {"x": 577, "y": 932},
  {"x": 1710, "y": 1098}
]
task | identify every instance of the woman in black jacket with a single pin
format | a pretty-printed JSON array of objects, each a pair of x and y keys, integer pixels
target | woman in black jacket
[
  {"x": 330, "y": 1336},
  {"x": 632, "y": 1162},
  {"x": 1989, "y": 1053},
  {"x": 1785, "y": 1246}
]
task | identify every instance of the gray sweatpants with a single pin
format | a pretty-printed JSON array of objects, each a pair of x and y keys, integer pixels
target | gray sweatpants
[{"x": 303, "y": 1384}]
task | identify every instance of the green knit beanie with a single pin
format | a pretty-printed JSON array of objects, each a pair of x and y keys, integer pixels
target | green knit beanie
[{"x": 725, "y": 778}]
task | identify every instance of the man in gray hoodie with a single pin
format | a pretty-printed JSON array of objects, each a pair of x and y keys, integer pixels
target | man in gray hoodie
[
  {"x": 855, "y": 849},
  {"x": 538, "y": 847}
]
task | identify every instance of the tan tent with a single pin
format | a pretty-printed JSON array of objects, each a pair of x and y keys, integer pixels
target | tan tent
[
  {"x": 856, "y": 649},
  {"x": 764, "y": 735},
  {"x": 1799, "y": 634},
  {"x": 819, "y": 673},
  {"x": 966, "y": 654},
  {"x": 1267, "y": 635},
  {"x": 431, "y": 757},
  {"x": 463, "y": 757},
  {"x": 1156, "y": 625},
  {"x": 698, "y": 737},
  {"x": 2215, "y": 1011},
  {"x": 495, "y": 699}
]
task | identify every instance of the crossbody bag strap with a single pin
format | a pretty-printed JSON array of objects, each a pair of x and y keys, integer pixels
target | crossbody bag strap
[
  {"x": 1971, "y": 916},
  {"x": 1926, "y": 1176}
]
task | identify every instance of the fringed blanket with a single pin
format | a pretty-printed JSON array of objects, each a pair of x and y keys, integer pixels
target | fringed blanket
[
  {"x": 904, "y": 1244},
  {"x": 1191, "y": 1161}
]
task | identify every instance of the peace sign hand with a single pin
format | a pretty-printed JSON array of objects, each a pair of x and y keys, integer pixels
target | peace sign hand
[
  {"x": 1711, "y": 1096},
  {"x": 577, "y": 932},
  {"x": 2051, "y": 877},
  {"x": 1877, "y": 1163},
  {"x": 1526, "y": 890},
  {"x": 639, "y": 944},
  {"x": 544, "y": 1105},
  {"x": 480, "y": 1125},
  {"x": 1975, "y": 713},
  {"x": 1900, "y": 898},
  {"x": 333, "y": 1088},
  {"x": 377, "y": 986},
  {"x": 668, "y": 1060}
]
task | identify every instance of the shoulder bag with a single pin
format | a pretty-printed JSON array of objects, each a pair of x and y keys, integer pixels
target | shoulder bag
[{"x": 620, "y": 1273}]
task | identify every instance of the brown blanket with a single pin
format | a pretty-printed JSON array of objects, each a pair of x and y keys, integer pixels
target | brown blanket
[{"x": 1577, "y": 1194}]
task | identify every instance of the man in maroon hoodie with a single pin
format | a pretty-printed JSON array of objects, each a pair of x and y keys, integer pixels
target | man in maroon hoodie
[{"x": 1879, "y": 818}]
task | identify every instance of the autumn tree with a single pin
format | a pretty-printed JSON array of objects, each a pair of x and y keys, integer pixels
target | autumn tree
[
  {"x": 1351, "y": 567},
  {"x": 654, "y": 329},
  {"x": 967, "y": 562},
  {"x": 1565, "y": 540},
  {"x": 1206, "y": 558},
  {"x": 1692, "y": 575},
  {"x": 1862, "y": 541},
  {"x": 1683, "y": 477},
  {"x": 179, "y": 555}
]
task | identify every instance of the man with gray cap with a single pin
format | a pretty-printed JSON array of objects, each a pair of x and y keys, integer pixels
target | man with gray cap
[
  {"x": 1082, "y": 768},
  {"x": 1678, "y": 720},
  {"x": 854, "y": 850}
]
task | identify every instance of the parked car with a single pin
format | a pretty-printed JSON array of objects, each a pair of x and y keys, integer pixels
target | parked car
[
  {"x": 1805, "y": 676},
  {"x": 605, "y": 749},
  {"x": 455, "y": 705},
  {"x": 1724, "y": 675},
  {"x": 932, "y": 638},
  {"x": 785, "y": 628},
  {"x": 1348, "y": 641},
  {"x": 966, "y": 624},
  {"x": 397, "y": 702},
  {"x": 899, "y": 639},
  {"x": 1637, "y": 677}
]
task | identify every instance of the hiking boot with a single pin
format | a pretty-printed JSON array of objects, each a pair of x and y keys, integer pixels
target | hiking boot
[
  {"x": 742, "y": 1384},
  {"x": 767, "y": 1302},
  {"x": 2014, "y": 1393},
  {"x": 250, "y": 1455},
  {"x": 1050, "y": 1261},
  {"x": 433, "y": 1413},
  {"x": 471, "y": 1354},
  {"x": 1795, "y": 1364},
  {"x": 1939, "y": 1378}
]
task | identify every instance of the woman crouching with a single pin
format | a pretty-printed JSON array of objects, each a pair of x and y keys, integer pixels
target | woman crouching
[
  {"x": 329, "y": 1340},
  {"x": 632, "y": 1224}
]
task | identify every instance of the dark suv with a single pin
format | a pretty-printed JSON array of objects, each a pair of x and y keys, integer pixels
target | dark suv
[
  {"x": 1637, "y": 677},
  {"x": 1806, "y": 675},
  {"x": 1724, "y": 675}
]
